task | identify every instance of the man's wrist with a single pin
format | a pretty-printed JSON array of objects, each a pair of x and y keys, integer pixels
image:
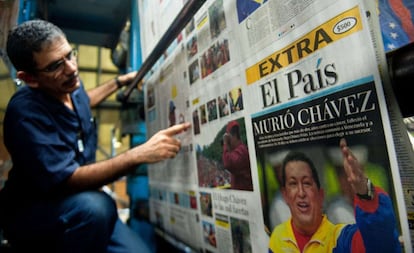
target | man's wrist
[
  {"x": 369, "y": 195},
  {"x": 118, "y": 83}
]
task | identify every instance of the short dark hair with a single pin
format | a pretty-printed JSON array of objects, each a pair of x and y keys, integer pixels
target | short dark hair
[
  {"x": 299, "y": 156},
  {"x": 29, "y": 37}
]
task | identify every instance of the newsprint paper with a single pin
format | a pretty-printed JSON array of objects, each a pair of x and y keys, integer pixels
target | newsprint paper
[{"x": 293, "y": 76}]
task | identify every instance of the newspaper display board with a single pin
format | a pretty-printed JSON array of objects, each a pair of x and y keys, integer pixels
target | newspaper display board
[{"x": 294, "y": 75}]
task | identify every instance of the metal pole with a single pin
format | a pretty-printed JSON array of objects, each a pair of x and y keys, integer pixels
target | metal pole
[{"x": 135, "y": 57}]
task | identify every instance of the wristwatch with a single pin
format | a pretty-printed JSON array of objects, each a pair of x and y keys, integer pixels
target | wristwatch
[
  {"x": 370, "y": 194},
  {"x": 118, "y": 83}
]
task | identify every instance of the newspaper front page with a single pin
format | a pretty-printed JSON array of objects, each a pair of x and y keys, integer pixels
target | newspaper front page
[{"x": 291, "y": 75}]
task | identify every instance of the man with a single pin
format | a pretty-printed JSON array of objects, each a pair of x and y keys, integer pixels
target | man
[
  {"x": 239, "y": 101},
  {"x": 231, "y": 102},
  {"x": 51, "y": 201},
  {"x": 309, "y": 230},
  {"x": 236, "y": 158}
]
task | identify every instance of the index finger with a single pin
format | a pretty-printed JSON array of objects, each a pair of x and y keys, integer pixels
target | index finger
[
  {"x": 342, "y": 143},
  {"x": 176, "y": 129},
  {"x": 344, "y": 148}
]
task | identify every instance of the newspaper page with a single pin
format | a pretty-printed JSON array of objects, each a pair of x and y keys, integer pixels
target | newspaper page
[
  {"x": 307, "y": 108},
  {"x": 152, "y": 26},
  {"x": 289, "y": 75}
]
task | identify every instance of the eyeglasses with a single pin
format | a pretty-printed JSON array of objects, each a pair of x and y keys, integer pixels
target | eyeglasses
[{"x": 57, "y": 65}]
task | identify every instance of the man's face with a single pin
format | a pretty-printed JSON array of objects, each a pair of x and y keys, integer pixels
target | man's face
[
  {"x": 57, "y": 74},
  {"x": 231, "y": 141},
  {"x": 303, "y": 197}
]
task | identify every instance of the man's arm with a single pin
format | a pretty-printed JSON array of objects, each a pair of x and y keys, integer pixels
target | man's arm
[
  {"x": 100, "y": 93},
  {"x": 375, "y": 218},
  {"x": 163, "y": 145},
  {"x": 354, "y": 170}
]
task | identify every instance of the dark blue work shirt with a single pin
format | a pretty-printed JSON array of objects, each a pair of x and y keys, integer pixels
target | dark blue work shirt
[{"x": 47, "y": 142}]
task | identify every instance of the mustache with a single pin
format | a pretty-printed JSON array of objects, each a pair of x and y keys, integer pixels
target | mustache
[{"x": 72, "y": 77}]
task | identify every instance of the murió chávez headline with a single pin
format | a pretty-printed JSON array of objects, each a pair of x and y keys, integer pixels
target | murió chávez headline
[{"x": 329, "y": 109}]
